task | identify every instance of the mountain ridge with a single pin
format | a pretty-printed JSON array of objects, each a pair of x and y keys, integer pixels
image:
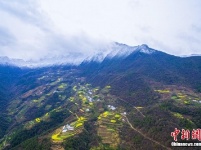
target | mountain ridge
[{"x": 115, "y": 49}]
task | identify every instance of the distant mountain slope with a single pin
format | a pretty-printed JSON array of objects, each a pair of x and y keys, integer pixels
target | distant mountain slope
[
  {"x": 138, "y": 64},
  {"x": 150, "y": 64},
  {"x": 9, "y": 75},
  {"x": 141, "y": 66}
]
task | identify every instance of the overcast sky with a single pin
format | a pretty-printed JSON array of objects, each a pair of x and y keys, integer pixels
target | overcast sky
[{"x": 32, "y": 29}]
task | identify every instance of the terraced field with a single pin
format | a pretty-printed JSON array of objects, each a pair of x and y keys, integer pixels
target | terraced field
[
  {"x": 109, "y": 123},
  {"x": 87, "y": 102},
  {"x": 181, "y": 95}
]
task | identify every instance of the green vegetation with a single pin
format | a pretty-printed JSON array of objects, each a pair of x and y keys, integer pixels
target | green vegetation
[
  {"x": 34, "y": 144},
  {"x": 178, "y": 115},
  {"x": 163, "y": 91},
  {"x": 38, "y": 120},
  {"x": 199, "y": 89},
  {"x": 52, "y": 108}
]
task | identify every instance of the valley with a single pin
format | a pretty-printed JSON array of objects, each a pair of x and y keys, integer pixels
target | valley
[
  {"x": 84, "y": 103},
  {"x": 121, "y": 103},
  {"x": 79, "y": 103}
]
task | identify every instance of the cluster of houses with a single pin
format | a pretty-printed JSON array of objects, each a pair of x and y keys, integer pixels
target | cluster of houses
[
  {"x": 90, "y": 99},
  {"x": 90, "y": 92},
  {"x": 196, "y": 101},
  {"x": 111, "y": 107},
  {"x": 67, "y": 128}
]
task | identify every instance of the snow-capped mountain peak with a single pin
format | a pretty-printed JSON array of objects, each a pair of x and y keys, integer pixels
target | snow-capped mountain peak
[
  {"x": 115, "y": 49},
  {"x": 120, "y": 50},
  {"x": 123, "y": 50},
  {"x": 145, "y": 49}
]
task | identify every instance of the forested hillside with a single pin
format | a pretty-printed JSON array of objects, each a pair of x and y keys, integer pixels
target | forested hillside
[{"x": 131, "y": 102}]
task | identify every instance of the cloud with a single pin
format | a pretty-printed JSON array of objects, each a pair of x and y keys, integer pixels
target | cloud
[
  {"x": 27, "y": 11},
  {"x": 37, "y": 37},
  {"x": 77, "y": 46},
  {"x": 27, "y": 34},
  {"x": 6, "y": 38},
  {"x": 34, "y": 29},
  {"x": 196, "y": 28}
]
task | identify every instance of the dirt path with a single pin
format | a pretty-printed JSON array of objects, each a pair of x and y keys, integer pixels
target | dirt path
[
  {"x": 139, "y": 111},
  {"x": 132, "y": 106},
  {"x": 145, "y": 135}
]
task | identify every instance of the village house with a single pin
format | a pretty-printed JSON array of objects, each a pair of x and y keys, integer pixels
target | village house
[
  {"x": 67, "y": 128},
  {"x": 111, "y": 107}
]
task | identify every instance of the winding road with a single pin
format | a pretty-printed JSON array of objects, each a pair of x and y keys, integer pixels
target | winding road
[{"x": 144, "y": 134}]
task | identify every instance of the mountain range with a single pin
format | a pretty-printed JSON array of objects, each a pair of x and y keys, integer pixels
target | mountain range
[
  {"x": 109, "y": 51},
  {"x": 127, "y": 98}
]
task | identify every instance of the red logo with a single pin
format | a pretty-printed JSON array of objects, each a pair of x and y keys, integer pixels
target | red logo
[
  {"x": 196, "y": 134},
  {"x": 185, "y": 134},
  {"x": 175, "y": 134}
]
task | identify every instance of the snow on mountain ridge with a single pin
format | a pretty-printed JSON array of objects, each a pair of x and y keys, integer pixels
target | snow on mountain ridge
[
  {"x": 145, "y": 49},
  {"x": 117, "y": 50},
  {"x": 120, "y": 50}
]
